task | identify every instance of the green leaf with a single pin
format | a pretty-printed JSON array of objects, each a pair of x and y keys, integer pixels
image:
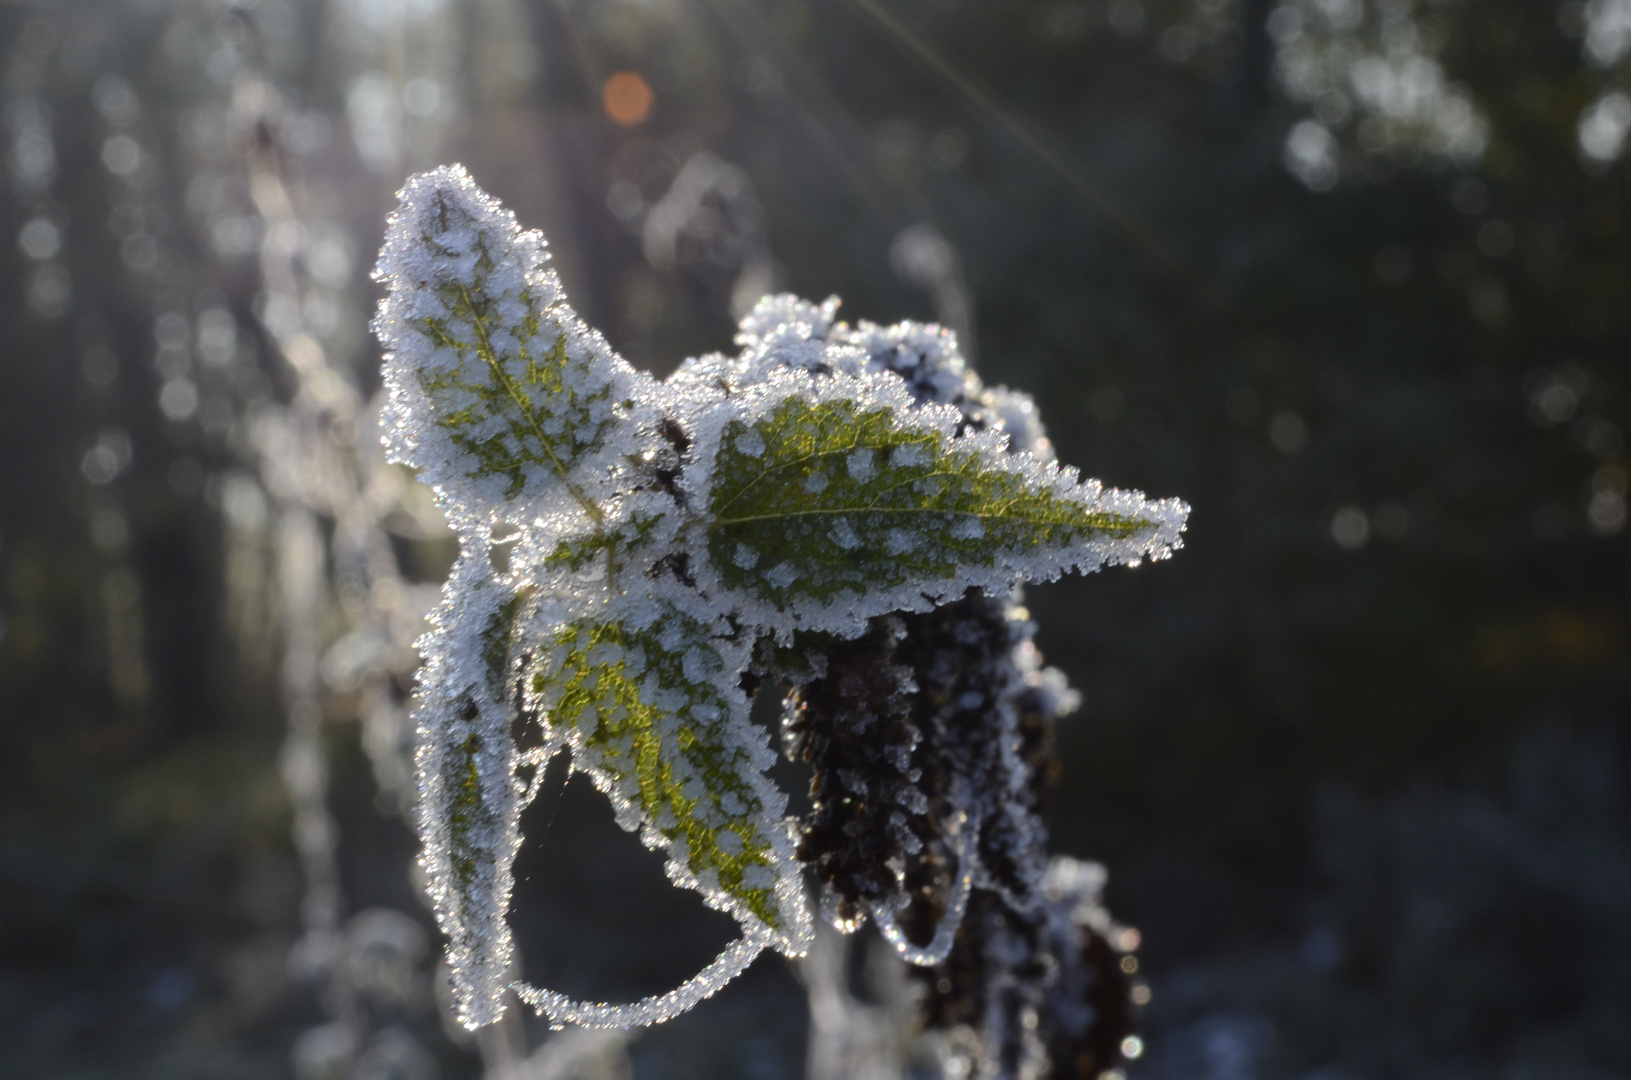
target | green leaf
[
  {"x": 470, "y": 803},
  {"x": 849, "y": 499},
  {"x": 549, "y": 415},
  {"x": 484, "y": 347},
  {"x": 653, "y": 717}
]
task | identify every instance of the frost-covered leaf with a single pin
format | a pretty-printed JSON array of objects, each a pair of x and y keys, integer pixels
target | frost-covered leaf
[
  {"x": 833, "y": 500},
  {"x": 654, "y": 717},
  {"x": 669, "y": 545},
  {"x": 495, "y": 385},
  {"x": 624, "y": 538},
  {"x": 469, "y": 809}
]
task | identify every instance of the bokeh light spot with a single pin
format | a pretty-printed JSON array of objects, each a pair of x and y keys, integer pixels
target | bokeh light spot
[
  {"x": 627, "y": 98},
  {"x": 1350, "y": 527}
]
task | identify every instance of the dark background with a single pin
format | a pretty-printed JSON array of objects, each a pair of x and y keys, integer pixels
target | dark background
[{"x": 1356, "y": 758}]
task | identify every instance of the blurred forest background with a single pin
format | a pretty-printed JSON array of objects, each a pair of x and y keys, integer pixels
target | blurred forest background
[{"x": 1351, "y": 276}]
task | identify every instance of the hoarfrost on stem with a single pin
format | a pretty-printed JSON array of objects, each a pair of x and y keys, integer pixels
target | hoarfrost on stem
[{"x": 759, "y": 517}]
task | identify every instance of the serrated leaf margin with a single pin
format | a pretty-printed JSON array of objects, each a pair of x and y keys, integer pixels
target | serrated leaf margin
[{"x": 846, "y": 613}]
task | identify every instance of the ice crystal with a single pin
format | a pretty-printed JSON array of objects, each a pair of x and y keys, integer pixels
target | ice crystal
[{"x": 793, "y": 512}]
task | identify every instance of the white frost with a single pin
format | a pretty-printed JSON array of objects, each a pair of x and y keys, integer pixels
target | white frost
[
  {"x": 843, "y": 534},
  {"x": 945, "y": 932},
  {"x": 860, "y": 464},
  {"x": 601, "y": 537}
]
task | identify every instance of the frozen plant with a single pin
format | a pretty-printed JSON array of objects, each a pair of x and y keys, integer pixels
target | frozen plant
[{"x": 844, "y": 509}]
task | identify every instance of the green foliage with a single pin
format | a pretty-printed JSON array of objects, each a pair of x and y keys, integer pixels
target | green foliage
[
  {"x": 814, "y": 501},
  {"x": 650, "y": 715},
  {"x": 701, "y": 521},
  {"x": 521, "y": 394}
]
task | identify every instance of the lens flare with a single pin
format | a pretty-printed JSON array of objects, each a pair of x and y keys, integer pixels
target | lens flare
[{"x": 627, "y": 98}]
